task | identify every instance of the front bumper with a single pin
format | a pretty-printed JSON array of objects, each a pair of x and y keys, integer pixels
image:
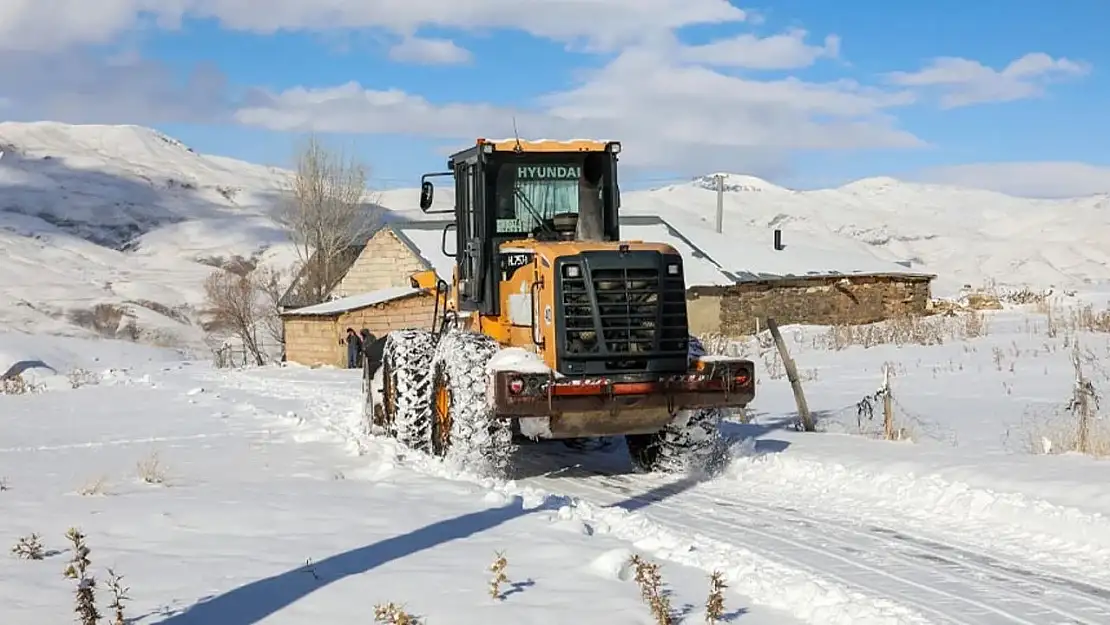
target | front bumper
[{"x": 717, "y": 383}]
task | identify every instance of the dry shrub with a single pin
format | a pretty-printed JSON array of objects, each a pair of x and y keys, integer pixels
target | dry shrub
[
  {"x": 95, "y": 486},
  {"x": 119, "y": 597},
  {"x": 907, "y": 330},
  {"x": 652, "y": 590},
  {"x": 499, "y": 577},
  {"x": 392, "y": 614},
  {"x": 77, "y": 569},
  {"x": 1066, "y": 322},
  {"x": 104, "y": 319},
  {"x": 18, "y": 385},
  {"x": 79, "y": 377},
  {"x": 1091, "y": 320},
  {"x": 151, "y": 470},
  {"x": 29, "y": 548},
  {"x": 715, "y": 602}
]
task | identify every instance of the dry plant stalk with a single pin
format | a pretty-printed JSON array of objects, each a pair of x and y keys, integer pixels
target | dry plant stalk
[
  {"x": 650, "y": 582},
  {"x": 85, "y": 599},
  {"x": 95, "y": 486},
  {"x": 151, "y": 470},
  {"x": 499, "y": 577},
  {"x": 29, "y": 548},
  {"x": 392, "y": 614},
  {"x": 119, "y": 597},
  {"x": 715, "y": 603}
]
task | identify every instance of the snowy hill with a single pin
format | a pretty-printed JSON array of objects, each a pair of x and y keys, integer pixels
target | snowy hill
[
  {"x": 126, "y": 216},
  {"x": 965, "y": 236},
  {"x": 123, "y": 216}
]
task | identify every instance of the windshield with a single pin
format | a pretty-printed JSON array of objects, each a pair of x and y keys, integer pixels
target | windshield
[{"x": 529, "y": 193}]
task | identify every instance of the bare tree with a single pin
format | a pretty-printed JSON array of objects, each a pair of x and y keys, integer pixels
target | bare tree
[
  {"x": 269, "y": 284},
  {"x": 236, "y": 307},
  {"x": 326, "y": 213}
]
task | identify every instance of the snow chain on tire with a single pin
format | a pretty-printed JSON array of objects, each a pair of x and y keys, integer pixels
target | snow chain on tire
[
  {"x": 478, "y": 441},
  {"x": 690, "y": 444},
  {"x": 407, "y": 379}
]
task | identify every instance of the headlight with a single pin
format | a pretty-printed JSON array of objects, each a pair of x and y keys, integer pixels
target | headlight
[
  {"x": 673, "y": 269},
  {"x": 572, "y": 271}
]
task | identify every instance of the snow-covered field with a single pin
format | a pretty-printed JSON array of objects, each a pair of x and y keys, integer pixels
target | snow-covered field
[
  {"x": 272, "y": 505},
  {"x": 128, "y": 217}
]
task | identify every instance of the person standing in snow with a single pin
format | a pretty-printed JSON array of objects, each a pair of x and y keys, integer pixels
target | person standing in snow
[{"x": 354, "y": 348}]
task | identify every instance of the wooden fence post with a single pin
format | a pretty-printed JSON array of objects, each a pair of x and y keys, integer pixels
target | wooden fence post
[
  {"x": 888, "y": 406},
  {"x": 804, "y": 416}
]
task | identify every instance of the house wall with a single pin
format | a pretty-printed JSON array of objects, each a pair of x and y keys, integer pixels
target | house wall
[
  {"x": 384, "y": 262},
  {"x": 319, "y": 340},
  {"x": 742, "y": 309},
  {"x": 312, "y": 341}
]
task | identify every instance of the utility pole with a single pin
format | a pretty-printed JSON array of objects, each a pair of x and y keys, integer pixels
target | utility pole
[{"x": 720, "y": 201}]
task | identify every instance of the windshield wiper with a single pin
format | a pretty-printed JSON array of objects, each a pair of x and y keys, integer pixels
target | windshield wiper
[{"x": 532, "y": 210}]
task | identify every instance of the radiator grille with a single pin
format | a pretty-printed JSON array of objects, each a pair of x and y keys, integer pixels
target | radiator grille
[{"x": 629, "y": 317}]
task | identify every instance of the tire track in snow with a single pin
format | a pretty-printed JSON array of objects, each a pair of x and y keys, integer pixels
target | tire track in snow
[
  {"x": 944, "y": 581},
  {"x": 119, "y": 442}
]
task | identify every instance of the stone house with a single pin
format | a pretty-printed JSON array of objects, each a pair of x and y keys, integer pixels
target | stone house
[
  {"x": 314, "y": 335},
  {"x": 800, "y": 282}
]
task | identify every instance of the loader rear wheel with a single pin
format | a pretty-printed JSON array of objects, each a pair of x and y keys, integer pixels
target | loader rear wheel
[
  {"x": 465, "y": 429},
  {"x": 691, "y": 443},
  {"x": 406, "y": 387}
]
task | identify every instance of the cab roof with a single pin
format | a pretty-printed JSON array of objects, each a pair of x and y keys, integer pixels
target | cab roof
[{"x": 546, "y": 145}]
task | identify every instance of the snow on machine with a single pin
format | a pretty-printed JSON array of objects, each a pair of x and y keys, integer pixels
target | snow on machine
[{"x": 552, "y": 327}]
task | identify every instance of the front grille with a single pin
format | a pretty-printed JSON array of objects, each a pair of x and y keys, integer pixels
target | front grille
[{"x": 622, "y": 313}]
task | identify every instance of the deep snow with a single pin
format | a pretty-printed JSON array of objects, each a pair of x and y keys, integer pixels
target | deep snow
[
  {"x": 269, "y": 467},
  {"x": 259, "y": 515}
]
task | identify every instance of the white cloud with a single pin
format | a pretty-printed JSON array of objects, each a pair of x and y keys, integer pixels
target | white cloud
[
  {"x": 429, "y": 51},
  {"x": 122, "y": 89},
  {"x": 668, "y": 114},
  {"x": 788, "y": 50},
  {"x": 964, "y": 82},
  {"x": 1028, "y": 179},
  {"x": 39, "y": 25}
]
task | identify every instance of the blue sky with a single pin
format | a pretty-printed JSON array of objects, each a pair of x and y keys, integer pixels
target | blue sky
[{"x": 629, "y": 70}]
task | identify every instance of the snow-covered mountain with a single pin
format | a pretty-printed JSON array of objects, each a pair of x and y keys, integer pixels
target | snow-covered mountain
[
  {"x": 965, "y": 236},
  {"x": 121, "y": 216},
  {"x": 127, "y": 216}
]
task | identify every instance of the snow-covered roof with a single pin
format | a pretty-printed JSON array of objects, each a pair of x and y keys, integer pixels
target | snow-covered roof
[
  {"x": 355, "y": 302},
  {"x": 749, "y": 254},
  {"x": 425, "y": 239},
  {"x": 711, "y": 258}
]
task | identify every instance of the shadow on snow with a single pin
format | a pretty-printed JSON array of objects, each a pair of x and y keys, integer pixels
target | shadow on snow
[{"x": 252, "y": 602}]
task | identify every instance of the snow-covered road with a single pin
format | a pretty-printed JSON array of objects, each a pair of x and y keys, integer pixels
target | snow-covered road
[
  {"x": 822, "y": 566},
  {"x": 944, "y": 581}
]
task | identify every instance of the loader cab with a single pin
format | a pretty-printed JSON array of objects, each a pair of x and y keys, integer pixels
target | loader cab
[{"x": 513, "y": 190}]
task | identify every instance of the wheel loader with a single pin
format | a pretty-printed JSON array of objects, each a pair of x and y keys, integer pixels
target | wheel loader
[{"x": 553, "y": 326}]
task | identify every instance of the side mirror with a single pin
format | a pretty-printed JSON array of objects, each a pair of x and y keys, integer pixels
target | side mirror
[{"x": 427, "y": 191}]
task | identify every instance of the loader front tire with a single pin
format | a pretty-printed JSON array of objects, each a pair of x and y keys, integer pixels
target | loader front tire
[
  {"x": 406, "y": 411},
  {"x": 465, "y": 429}
]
